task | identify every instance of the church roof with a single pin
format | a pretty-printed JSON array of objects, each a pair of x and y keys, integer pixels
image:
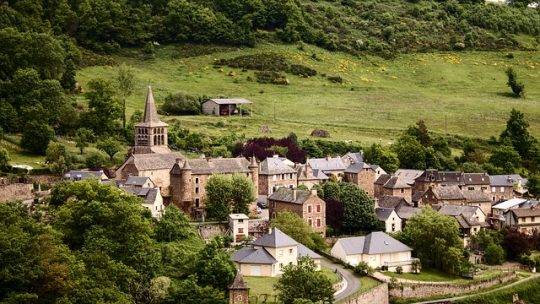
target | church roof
[
  {"x": 151, "y": 117},
  {"x": 238, "y": 282}
]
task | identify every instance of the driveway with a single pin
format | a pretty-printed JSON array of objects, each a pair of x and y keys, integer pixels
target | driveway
[{"x": 353, "y": 282}]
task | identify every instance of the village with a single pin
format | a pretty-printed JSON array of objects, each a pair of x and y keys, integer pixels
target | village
[{"x": 370, "y": 267}]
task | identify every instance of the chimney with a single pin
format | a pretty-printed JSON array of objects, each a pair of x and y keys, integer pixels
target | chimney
[
  {"x": 294, "y": 195},
  {"x": 314, "y": 192}
]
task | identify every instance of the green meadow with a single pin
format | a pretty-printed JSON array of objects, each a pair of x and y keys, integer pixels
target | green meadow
[{"x": 458, "y": 93}]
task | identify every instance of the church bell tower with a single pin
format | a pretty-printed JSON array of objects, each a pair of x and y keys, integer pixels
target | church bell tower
[{"x": 151, "y": 133}]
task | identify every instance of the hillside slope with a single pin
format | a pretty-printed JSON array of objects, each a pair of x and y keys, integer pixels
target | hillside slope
[{"x": 461, "y": 93}]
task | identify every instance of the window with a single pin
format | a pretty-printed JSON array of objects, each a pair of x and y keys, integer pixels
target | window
[
  {"x": 470, "y": 188},
  {"x": 402, "y": 190},
  {"x": 309, "y": 208},
  {"x": 318, "y": 208},
  {"x": 240, "y": 230},
  {"x": 196, "y": 180},
  {"x": 197, "y": 203},
  {"x": 196, "y": 189},
  {"x": 280, "y": 254},
  {"x": 310, "y": 223},
  {"x": 393, "y": 227},
  {"x": 241, "y": 220},
  {"x": 493, "y": 189},
  {"x": 532, "y": 219},
  {"x": 274, "y": 177},
  {"x": 290, "y": 251},
  {"x": 318, "y": 222},
  {"x": 502, "y": 189},
  {"x": 282, "y": 176}
]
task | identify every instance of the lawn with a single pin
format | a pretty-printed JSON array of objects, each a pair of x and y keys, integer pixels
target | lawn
[
  {"x": 334, "y": 277},
  {"x": 426, "y": 275},
  {"x": 367, "y": 283},
  {"x": 527, "y": 291},
  {"x": 379, "y": 98}
]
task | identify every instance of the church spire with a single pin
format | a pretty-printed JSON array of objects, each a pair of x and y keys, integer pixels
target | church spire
[{"x": 150, "y": 112}]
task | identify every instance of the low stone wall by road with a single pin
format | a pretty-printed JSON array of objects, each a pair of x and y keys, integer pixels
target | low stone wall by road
[
  {"x": 419, "y": 290},
  {"x": 376, "y": 295},
  {"x": 16, "y": 191}
]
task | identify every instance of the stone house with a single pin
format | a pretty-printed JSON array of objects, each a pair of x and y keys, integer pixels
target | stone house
[
  {"x": 267, "y": 255},
  {"x": 224, "y": 106},
  {"x": 239, "y": 227},
  {"x": 505, "y": 187},
  {"x": 139, "y": 181},
  {"x": 308, "y": 176},
  {"x": 274, "y": 173},
  {"x": 526, "y": 220},
  {"x": 478, "y": 198},
  {"x": 476, "y": 182},
  {"x": 305, "y": 204},
  {"x": 470, "y": 219},
  {"x": 361, "y": 174},
  {"x": 352, "y": 158},
  {"x": 444, "y": 195},
  {"x": 390, "y": 218},
  {"x": 331, "y": 166},
  {"x": 388, "y": 185},
  {"x": 408, "y": 175},
  {"x": 377, "y": 249},
  {"x": 153, "y": 200},
  {"x": 434, "y": 179},
  {"x": 188, "y": 179}
]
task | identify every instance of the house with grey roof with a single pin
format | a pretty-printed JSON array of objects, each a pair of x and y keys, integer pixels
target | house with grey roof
[
  {"x": 224, "y": 106},
  {"x": 377, "y": 249},
  {"x": 508, "y": 186},
  {"x": 353, "y": 158},
  {"x": 139, "y": 181},
  {"x": 392, "y": 185},
  {"x": 328, "y": 165},
  {"x": 392, "y": 222},
  {"x": 308, "y": 176},
  {"x": 471, "y": 219},
  {"x": 275, "y": 172},
  {"x": 152, "y": 199},
  {"x": 76, "y": 175},
  {"x": 268, "y": 254}
]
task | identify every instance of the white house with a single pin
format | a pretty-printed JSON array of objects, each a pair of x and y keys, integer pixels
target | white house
[
  {"x": 390, "y": 218},
  {"x": 377, "y": 249},
  {"x": 270, "y": 253},
  {"x": 153, "y": 200},
  {"x": 239, "y": 226}
]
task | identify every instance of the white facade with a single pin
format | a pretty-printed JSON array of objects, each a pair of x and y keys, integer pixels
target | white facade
[{"x": 239, "y": 226}]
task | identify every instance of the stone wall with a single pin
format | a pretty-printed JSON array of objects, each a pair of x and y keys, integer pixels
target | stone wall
[
  {"x": 419, "y": 290},
  {"x": 377, "y": 295},
  {"x": 16, "y": 191}
]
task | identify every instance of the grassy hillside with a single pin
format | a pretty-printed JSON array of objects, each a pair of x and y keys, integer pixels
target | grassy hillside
[{"x": 462, "y": 93}]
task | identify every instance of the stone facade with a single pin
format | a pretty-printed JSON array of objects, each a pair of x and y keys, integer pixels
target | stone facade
[
  {"x": 270, "y": 183},
  {"x": 364, "y": 179},
  {"x": 16, "y": 191},
  {"x": 305, "y": 204}
]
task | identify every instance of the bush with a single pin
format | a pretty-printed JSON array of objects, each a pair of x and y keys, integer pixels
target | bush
[
  {"x": 518, "y": 88},
  {"x": 302, "y": 70},
  {"x": 36, "y": 138},
  {"x": 399, "y": 270},
  {"x": 181, "y": 104},
  {"x": 336, "y": 79},
  {"x": 363, "y": 269},
  {"x": 271, "y": 77},
  {"x": 320, "y": 133},
  {"x": 96, "y": 160},
  {"x": 494, "y": 254}
]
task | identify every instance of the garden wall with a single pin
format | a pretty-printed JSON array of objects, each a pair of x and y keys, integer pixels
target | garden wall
[
  {"x": 376, "y": 295},
  {"x": 419, "y": 290}
]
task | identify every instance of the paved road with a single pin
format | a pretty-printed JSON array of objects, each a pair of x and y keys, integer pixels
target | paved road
[
  {"x": 353, "y": 282},
  {"x": 535, "y": 276}
]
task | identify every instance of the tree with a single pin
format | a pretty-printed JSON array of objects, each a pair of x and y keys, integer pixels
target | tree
[
  {"x": 518, "y": 135},
  {"x": 315, "y": 286},
  {"x": 36, "y": 137},
  {"x": 96, "y": 160},
  {"x": 126, "y": 84},
  {"x": 4, "y": 159},
  {"x": 469, "y": 167},
  {"x": 382, "y": 156},
  {"x": 410, "y": 152},
  {"x": 58, "y": 157},
  {"x": 518, "y": 88},
  {"x": 295, "y": 227},
  {"x": 533, "y": 185},
  {"x": 188, "y": 291},
  {"x": 435, "y": 240},
  {"x": 68, "y": 77},
  {"x": 83, "y": 137},
  {"x": 104, "y": 109},
  {"x": 110, "y": 146},
  {"x": 420, "y": 132},
  {"x": 173, "y": 226},
  {"x": 181, "y": 104},
  {"x": 214, "y": 266},
  {"x": 494, "y": 254},
  {"x": 516, "y": 244},
  {"x": 505, "y": 157},
  {"x": 225, "y": 194},
  {"x": 358, "y": 209}
]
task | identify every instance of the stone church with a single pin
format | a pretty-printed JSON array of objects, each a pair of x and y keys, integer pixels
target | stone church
[{"x": 182, "y": 181}]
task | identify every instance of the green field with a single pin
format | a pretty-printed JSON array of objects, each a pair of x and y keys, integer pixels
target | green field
[
  {"x": 427, "y": 275},
  {"x": 456, "y": 93}
]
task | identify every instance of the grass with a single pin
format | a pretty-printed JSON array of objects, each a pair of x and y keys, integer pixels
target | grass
[
  {"x": 452, "y": 92},
  {"x": 527, "y": 291},
  {"x": 334, "y": 277},
  {"x": 367, "y": 283},
  {"x": 426, "y": 275}
]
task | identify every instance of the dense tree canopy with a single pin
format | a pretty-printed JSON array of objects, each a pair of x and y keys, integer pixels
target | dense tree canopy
[
  {"x": 295, "y": 227},
  {"x": 226, "y": 194}
]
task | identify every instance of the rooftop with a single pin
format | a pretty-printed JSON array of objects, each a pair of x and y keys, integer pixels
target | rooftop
[
  {"x": 275, "y": 239},
  {"x": 226, "y": 101},
  {"x": 374, "y": 243},
  {"x": 327, "y": 164},
  {"x": 275, "y": 165}
]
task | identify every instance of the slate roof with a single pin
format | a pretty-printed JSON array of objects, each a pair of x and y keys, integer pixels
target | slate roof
[
  {"x": 391, "y": 182},
  {"x": 475, "y": 196},
  {"x": 83, "y": 175},
  {"x": 511, "y": 203},
  {"x": 451, "y": 177},
  {"x": 353, "y": 157},
  {"x": 251, "y": 255},
  {"x": 148, "y": 194},
  {"x": 526, "y": 212},
  {"x": 274, "y": 165},
  {"x": 219, "y": 165},
  {"x": 383, "y": 178},
  {"x": 506, "y": 180},
  {"x": 476, "y": 178},
  {"x": 389, "y": 201},
  {"x": 238, "y": 282},
  {"x": 275, "y": 239},
  {"x": 465, "y": 215},
  {"x": 153, "y": 161},
  {"x": 357, "y": 167},
  {"x": 151, "y": 117},
  {"x": 305, "y": 172},
  {"x": 408, "y": 175},
  {"x": 136, "y": 180},
  {"x": 383, "y": 213},
  {"x": 417, "y": 196},
  {"x": 327, "y": 164},
  {"x": 374, "y": 243},
  {"x": 227, "y": 101},
  {"x": 406, "y": 212},
  {"x": 448, "y": 193},
  {"x": 304, "y": 251},
  {"x": 288, "y": 195},
  {"x": 238, "y": 216}
]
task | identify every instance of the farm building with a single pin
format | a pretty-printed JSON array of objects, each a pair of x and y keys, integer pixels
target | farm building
[{"x": 224, "y": 107}]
